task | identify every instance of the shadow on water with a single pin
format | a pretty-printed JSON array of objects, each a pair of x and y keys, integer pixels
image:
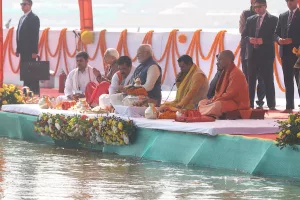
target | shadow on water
[{"x": 35, "y": 171}]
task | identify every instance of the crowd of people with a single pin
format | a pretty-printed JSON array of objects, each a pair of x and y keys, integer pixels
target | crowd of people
[{"x": 230, "y": 90}]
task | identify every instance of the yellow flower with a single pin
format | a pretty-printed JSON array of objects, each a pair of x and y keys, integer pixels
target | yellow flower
[
  {"x": 280, "y": 134},
  {"x": 1, "y": 90},
  {"x": 0, "y": 94},
  {"x": 120, "y": 125},
  {"x": 4, "y": 102},
  {"x": 100, "y": 118},
  {"x": 16, "y": 95},
  {"x": 288, "y": 132},
  {"x": 4, "y": 86},
  {"x": 298, "y": 135}
]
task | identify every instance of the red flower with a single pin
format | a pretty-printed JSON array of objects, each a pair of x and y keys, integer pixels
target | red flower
[{"x": 83, "y": 117}]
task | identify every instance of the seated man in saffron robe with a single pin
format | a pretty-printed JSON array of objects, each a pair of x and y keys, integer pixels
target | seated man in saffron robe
[
  {"x": 94, "y": 90},
  {"x": 192, "y": 86},
  {"x": 231, "y": 92},
  {"x": 78, "y": 79},
  {"x": 149, "y": 73}
]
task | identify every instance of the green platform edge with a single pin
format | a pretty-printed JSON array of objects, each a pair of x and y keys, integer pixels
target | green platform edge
[{"x": 250, "y": 155}]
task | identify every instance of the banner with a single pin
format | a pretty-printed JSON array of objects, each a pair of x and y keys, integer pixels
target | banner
[
  {"x": 1, "y": 46},
  {"x": 86, "y": 15}
]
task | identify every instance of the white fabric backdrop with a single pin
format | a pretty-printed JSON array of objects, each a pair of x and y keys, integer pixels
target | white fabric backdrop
[{"x": 133, "y": 40}]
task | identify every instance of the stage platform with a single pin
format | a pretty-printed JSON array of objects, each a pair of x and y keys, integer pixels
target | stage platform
[{"x": 234, "y": 152}]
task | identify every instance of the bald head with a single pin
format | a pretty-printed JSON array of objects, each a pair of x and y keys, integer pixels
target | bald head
[
  {"x": 225, "y": 59},
  {"x": 144, "y": 52}
]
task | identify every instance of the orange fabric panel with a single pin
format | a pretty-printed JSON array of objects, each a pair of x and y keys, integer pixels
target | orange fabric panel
[
  {"x": 86, "y": 15},
  {"x": 1, "y": 46}
]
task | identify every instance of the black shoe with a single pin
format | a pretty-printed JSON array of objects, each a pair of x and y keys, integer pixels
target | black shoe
[
  {"x": 259, "y": 107},
  {"x": 272, "y": 108}
]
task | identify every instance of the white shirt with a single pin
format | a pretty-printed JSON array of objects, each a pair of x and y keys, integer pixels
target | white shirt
[
  {"x": 81, "y": 79},
  {"x": 115, "y": 82},
  {"x": 293, "y": 12},
  {"x": 262, "y": 19},
  {"x": 22, "y": 20}
]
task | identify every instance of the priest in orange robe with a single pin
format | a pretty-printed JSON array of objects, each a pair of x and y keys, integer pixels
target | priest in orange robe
[
  {"x": 231, "y": 92},
  {"x": 93, "y": 91}
]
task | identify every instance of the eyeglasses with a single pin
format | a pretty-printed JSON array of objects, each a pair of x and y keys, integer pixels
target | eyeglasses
[
  {"x": 24, "y": 4},
  {"x": 259, "y": 6}
]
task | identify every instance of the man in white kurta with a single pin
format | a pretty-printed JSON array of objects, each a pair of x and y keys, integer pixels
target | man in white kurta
[
  {"x": 119, "y": 80},
  {"x": 78, "y": 79}
]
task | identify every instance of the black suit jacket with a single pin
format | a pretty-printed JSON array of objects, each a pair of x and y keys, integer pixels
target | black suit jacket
[
  {"x": 29, "y": 35},
  {"x": 266, "y": 32},
  {"x": 294, "y": 32}
]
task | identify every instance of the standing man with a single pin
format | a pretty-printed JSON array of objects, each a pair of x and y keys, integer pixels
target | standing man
[
  {"x": 27, "y": 41},
  {"x": 260, "y": 86},
  {"x": 259, "y": 32},
  {"x": 288, "y": 36}
]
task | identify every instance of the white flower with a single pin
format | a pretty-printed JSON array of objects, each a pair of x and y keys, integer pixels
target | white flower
[
  {"x": 104, "y": 123},
  {"x": 99, "y": 139},
  {"x": 126, "y": 139},
  {"x": 115, "y": 129},
  {"x": 57, "y": 126},
  {"x": 42, "y": 134},
  {"x": 81, "y": 133},
  {"x": 70, "y": 134},
  {"x": 49, "y": 121}
]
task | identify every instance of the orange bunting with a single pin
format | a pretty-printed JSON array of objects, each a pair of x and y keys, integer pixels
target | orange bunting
[{"x": 170, "y": 52}]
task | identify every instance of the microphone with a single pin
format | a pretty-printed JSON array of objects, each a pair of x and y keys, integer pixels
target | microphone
[{"x": 75, "y": 32}]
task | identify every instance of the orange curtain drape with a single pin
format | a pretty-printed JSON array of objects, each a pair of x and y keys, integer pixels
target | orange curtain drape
[
  {"x": 86, "y": 15},
  {"x": 1, "y": 46}
]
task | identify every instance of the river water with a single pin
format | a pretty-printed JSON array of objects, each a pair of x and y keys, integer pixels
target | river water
[{"x": 37, "y": 171}]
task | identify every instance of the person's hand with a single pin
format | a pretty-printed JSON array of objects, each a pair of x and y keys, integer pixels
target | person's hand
[
  {"x": 209, "y": 102},
  {"x": 288, "y": 41},
  {"x": 259, "y": 41},
  {"x": 163, "y": 108},
  {"x": 179, "y": 106},
  {"x": 34, "y": 55},
  {"x": 96, "y": 72},
  {"x": 121, "y": 89},
  {"x": 252, "y": 40},
  {"x": 17, "y": 54},
  {"x": 281, "y": 41}
]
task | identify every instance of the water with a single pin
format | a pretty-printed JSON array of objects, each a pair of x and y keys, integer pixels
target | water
[{"x": 35, "y": 171}]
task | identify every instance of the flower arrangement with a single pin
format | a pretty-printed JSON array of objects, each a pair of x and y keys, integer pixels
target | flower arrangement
[
  {"x": 10, "y": 94},
  {"x": 289, "y": 133},
  {"x": 104, "y": 129},
  {"x": 137, "y": 91}
]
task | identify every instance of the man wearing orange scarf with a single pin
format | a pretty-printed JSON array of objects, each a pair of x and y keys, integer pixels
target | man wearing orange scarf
[
  {"x": 192, "y": 86},
  {"x": 231, "y": 91}
]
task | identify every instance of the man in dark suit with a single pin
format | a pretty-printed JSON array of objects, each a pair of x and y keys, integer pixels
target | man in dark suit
[
  {"x": 260, "y": 82},
  {"x": 259, "y": 32},
  {"x": 288, "y": 36},
  {"x": 27, "y": 41}
]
